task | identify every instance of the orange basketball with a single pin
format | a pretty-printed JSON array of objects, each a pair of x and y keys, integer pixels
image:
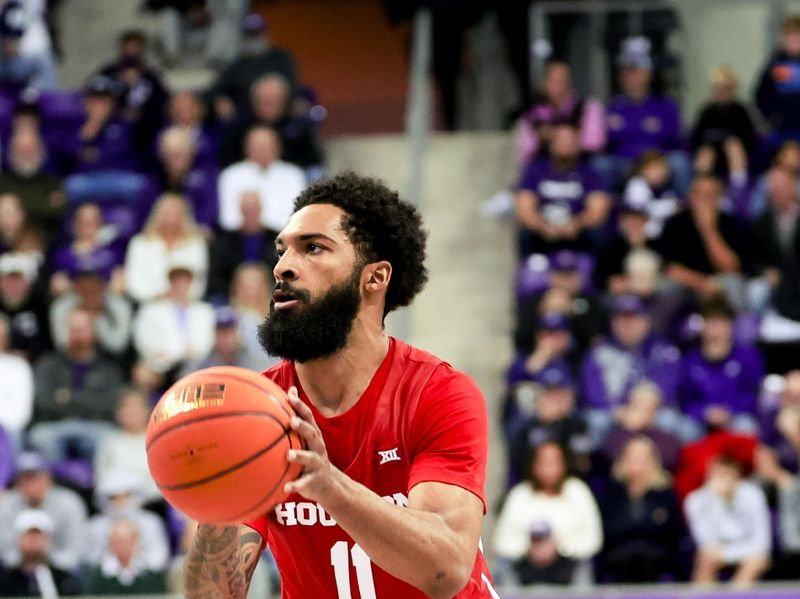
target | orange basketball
[{"x": 217, "y": 442}]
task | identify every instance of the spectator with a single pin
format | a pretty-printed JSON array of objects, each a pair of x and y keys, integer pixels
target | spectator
[
  {"x": 230, "y": 92},
  {"x": 642, "y": 522},
  {"x": 123, "y": 570},
  {"x": 251, "y": 293},
  {"x": 74, "y": 395},
  {"x": 559, "y": 103},
  {"x": 560, "y": 200},
  {"x": 643, "y": 417},
  {"x": 276, "y": 182},
  {"x": 706, "y": 251},
  {"x": 639, "y": 121},
  {"x": 651, "y": 190},
  {"x": 271, "y": 106},
  {"x": 252, "y": 242},
  {"x": 778, "y": 236},
  {"x": 630, "y": 354},
  {"x": 778, "y": 93},
  {"x": 110, "y": 312},
  {"x": 724, "y": 134},
  {"x": 545, "y": 412},
  {"x": 122, "y": 451},
  {"x": 786, "y": 158},
  {"x": 631, "y": 235},
  {"x": 180, "y": 173},
  {"x": 19, "y": 71},
  {"x": 720, "y": 380},
  {"x": 552, "y": 345},
  {"x": 40, "y": 192},
  {"x": 140, "y": 93},
  {"x": 103, "y": 141},
  {"x": 186, "y": 112},
  {"x": 729, "y": 521},
  {"x": 779, "y": 424},
  {"x": 549, "y": 495},
  {"x": 14, "y": 227},
  {"x": 23, "y": 305},
  {"x": 542, "y": 563},
  {"x": 90, "y": 249},
  {"x": 228, "y": 349},
  {"x": 565, "y": 295},
  {"x": 32, "y": 574},
  {"x": 16, "y": 389},
  {"x": 117, "y": 500},
  {"x": 34, "y": 489},
  {"x": 175, "y": 330},
  {"x": 169, "y": 235}
]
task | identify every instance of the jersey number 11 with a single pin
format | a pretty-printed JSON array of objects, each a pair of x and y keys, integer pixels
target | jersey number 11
[{"x": 340, "y": 560}]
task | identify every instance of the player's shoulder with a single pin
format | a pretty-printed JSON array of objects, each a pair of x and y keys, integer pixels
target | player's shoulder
[
  {"x": 281, "y": 373},
  {"x": 442, "y": 377}
]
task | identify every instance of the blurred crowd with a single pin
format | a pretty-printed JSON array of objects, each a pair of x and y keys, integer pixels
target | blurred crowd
[
  {"x": 652, "y": 412},
  {"x": 137, "y": 227}
]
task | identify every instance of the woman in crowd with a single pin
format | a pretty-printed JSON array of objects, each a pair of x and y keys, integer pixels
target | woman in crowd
[
  {"x": 170, "y": 235},
  {"x": 642, "y": 524}
]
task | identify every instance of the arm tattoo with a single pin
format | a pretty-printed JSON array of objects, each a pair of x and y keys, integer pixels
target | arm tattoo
[{"x": 221, "y": 562}]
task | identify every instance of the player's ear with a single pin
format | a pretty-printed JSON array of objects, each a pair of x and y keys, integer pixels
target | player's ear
[{"x": 378, "y": 275}]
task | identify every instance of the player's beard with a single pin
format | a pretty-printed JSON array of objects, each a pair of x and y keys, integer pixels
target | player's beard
[{"x": 313, "y": 329}]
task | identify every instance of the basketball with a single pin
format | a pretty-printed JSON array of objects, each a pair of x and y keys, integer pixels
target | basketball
[{"x": 217, "y": 442}]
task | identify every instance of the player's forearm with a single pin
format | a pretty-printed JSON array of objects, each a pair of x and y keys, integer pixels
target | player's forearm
[
  {"x": 215, "y": 566},
  {"x": 415, "y": 546}
]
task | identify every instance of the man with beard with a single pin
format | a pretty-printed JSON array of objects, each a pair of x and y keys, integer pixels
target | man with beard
[
  {"x": 560, "y": 201},
  {"x": 391, "y": 497}
]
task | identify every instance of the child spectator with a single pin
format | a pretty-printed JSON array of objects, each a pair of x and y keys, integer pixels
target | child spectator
[
  {"x": 651, "y": 190},
  {"x": 729, "y": 521}
]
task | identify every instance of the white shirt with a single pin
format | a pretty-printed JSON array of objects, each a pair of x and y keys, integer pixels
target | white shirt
[
  {"x": 278, "y": 185},
  {"x": 659, "y": 209},
  {"x": 148, "y": 261},
  {"x": 740, "y": 527},
  {"x": 16, "y": 393},
  {"x": 125, "y": 452},
  {"x": 165, "y": 334},
  {"x": 572, "y": 516}
]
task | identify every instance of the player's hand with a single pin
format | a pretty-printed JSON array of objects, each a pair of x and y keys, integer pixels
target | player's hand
[{"x": 316, "y": 482}]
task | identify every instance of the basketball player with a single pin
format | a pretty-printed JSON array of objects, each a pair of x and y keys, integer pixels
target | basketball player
[{"x": 391, "y": 500}]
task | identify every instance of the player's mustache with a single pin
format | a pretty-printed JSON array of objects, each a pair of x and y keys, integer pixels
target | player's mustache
[{"x": 299, "y": 294}]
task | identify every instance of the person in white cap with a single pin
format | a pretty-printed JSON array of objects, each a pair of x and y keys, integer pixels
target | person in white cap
[
  {"x": 31, "y": 574},
  {"x": 34, "y": 489}
]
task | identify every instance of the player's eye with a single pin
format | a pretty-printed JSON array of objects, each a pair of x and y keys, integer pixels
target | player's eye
[
  {"x": 313, "y": 248},
  {"x": 279, "y": 252}
]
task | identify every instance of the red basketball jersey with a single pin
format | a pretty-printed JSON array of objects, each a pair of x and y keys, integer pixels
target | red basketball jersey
[{"x": 419, "y": 420}]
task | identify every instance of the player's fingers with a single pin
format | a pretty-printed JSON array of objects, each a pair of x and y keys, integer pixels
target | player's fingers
[
  {"x": 306, "y": 458},
  {"x": 300, "y": 408},
  {"x": 297, "y": 486},
  {"x": 310, "y": 433}
]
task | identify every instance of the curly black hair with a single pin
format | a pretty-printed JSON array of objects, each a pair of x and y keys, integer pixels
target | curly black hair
[{"x": 381, "y": 226}]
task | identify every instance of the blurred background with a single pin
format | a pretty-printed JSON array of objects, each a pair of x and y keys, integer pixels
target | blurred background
[{"x": 611, "y": 189}]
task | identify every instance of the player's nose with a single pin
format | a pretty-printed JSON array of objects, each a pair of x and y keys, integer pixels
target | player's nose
[{"x": 284, "y": 270}]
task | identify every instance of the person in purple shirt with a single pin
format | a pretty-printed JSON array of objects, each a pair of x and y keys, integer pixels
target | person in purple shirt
[
  {"x": 560, "y": 200},
  {"x": 720, "y": 380},
  {"x": 104, "y": 142},
  {"x": 630, "y": 354},
  {"x": 638, "y": 121},
  {"x": 179, "y": 172},
  {"x": 90, "y": 247},
  {"x": 186, "y": 112}
]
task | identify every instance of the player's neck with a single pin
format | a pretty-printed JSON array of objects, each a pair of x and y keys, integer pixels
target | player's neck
[{"x": 334, "y": 384}]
